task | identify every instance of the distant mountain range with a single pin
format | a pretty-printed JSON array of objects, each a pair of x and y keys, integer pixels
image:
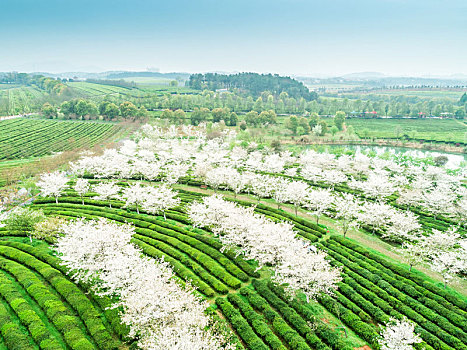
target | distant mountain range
[
  {"x": 116, "y": 75},
  {"x": 370, "y": 79}
]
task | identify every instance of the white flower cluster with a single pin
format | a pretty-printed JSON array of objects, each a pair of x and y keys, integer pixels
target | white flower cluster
[
  {"x": 159, "y": 310},
  {"x": 295, "y": 262}
]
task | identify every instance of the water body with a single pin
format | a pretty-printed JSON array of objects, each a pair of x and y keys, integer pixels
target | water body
[{"x": 455, "y": 160}]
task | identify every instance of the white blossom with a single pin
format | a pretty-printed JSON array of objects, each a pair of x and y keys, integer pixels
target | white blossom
[{"x": 53, "y": 184}]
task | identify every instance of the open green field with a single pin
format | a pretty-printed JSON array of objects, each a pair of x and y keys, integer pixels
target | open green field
[
  {"x": 438, "y": 130},
  {"x": 428, "y": 94}
]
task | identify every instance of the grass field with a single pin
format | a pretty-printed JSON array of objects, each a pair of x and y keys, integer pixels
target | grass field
[
  {"x": 428, "y": 94},
  {"x": 439, "y": 130}
]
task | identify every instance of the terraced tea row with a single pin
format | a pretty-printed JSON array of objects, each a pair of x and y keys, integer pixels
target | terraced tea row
[
  {"x": 41, "y": 308},
  {"x": 373, "y": 289},
  {"x": 22, "y": 138},
  {"x": 197, "y": 256}
]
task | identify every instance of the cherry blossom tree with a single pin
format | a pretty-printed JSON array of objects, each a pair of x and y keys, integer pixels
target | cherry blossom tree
[
  {"x": 134, "y": 194},
  {"x": 293, "y": 260},
  {"x": 217, "y": 177},
  {"x": 445, "y": 253},
  {"x": 409, "y": 197},
  {"x": 53, "y": 184},
  {"x": 439, "y": 200},
  {"x": 297, "y": 192},
  {"x": 82, "y": 187},
  {"x": 402, "y": 226},
  {"x": 447, "y": 264},
  {"x": 318, "y": 202},
  {"x": 375, "y": 215},
  {"x": 160, "y": 199},
  {"x": 280, "y": 193},
  {"x": 261, "y": 186},
  {"x": 347, "y": 209},
  {"x": 237, "y": 182},
  {"x": 106, "y": 191},
  {"x": 413, "y": 252},
  {"x": 159, "y": 311},
  {"x": 173, "y": 172},
  {"x": 399, "y": 335},
  {"x": 3, "y": 216},
  {"x": 376, "y": 186},
  {"x": 151, "y": 170}
]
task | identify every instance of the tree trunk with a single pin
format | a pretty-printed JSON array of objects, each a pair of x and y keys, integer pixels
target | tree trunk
[
  {"x": 296, "y": 210},
  {"x": 164, "y": 216},
  {"x": 110, "y": 205},
  {"x": 56, "y": 200},
  {"x": 410, "y": 267}
]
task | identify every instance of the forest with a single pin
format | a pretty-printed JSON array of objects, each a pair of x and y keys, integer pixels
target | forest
[{"x": 252, "y": 84}]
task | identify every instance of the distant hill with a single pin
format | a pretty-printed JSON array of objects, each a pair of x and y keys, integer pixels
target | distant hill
[
  {"x": 364, "y": 75},
  {"x": 174, "y": 75},
  {"x": 252, "y": 84},
  {"x": 180, "y": 76},
  {"x": 366, "y": 79}
]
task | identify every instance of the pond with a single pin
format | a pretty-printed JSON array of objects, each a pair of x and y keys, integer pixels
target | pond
[{"x": 455, "y": 160}]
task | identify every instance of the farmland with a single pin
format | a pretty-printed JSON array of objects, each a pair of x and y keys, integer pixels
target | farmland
[
  {"x": 436, "y": 130},
  {"x": 369, "y": 281},
  {"x": 21, "y": 99},
  {"x": 23, "y": 138},
  {"x": 28, "y": 145},
  {"x": 258, "y": 311}
]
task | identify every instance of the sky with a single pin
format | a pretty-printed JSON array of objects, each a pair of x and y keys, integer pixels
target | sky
[{"x": 290, "y": 37}]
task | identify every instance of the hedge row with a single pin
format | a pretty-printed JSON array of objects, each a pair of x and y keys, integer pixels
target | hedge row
[
  {"x": 324, "y": 331},
  {"x": 455, "y": 315},
  {"x": 62, "y": 318},
  {"x": 39, "y": 331},
  {"x": 281, "y": 327},
  {"x": 195, "y": 240},
  {"x": 257, "y": 322},
  {"x": 174, "y": 243},
  {"x": 103, "y": 303},
  {"x": 289, "y": 314},
  {"x": 12, "y": 335},
  {"x": 180, "y": 269},
  {"x": 426, "y": 288},
  {"x": 388, "y": 299},
  {"x": 69, "y": 291},
  {"x": 240, "y": 325}
]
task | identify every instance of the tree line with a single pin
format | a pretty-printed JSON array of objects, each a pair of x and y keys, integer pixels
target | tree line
[
  {"x": 252, "y": 84},
  {"x": 84, "y": 109}
]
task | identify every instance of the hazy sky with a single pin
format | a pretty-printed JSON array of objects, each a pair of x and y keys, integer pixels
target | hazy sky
[{"x": 397, "y": 37}]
